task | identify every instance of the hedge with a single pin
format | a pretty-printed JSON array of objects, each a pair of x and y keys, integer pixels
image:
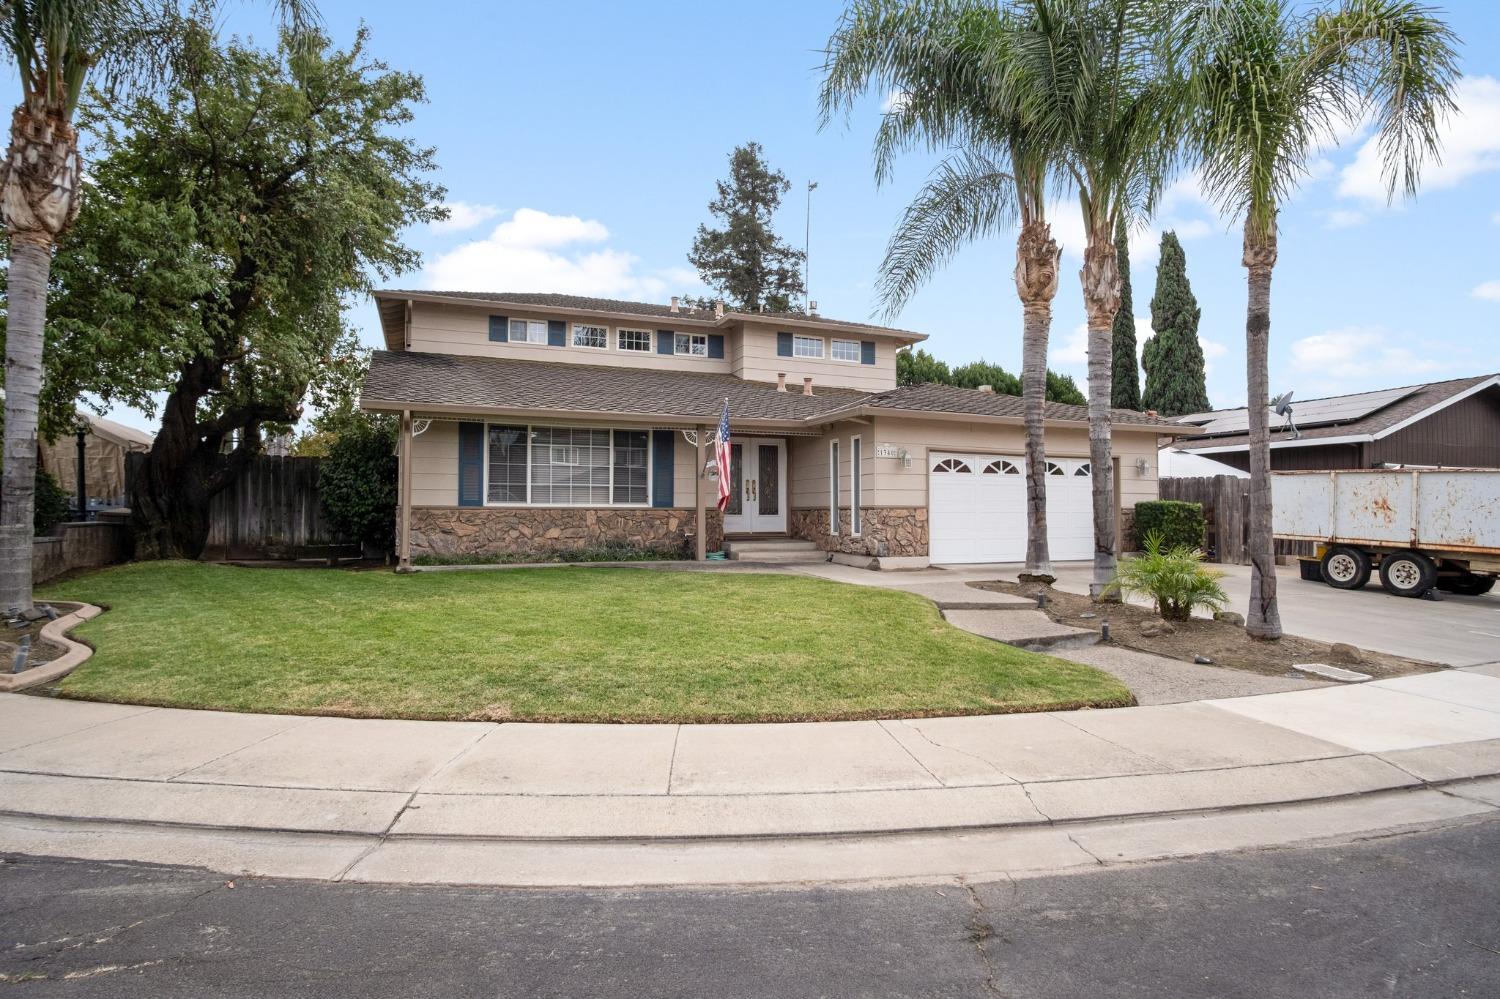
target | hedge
[{"x": 1181, "y": 524}]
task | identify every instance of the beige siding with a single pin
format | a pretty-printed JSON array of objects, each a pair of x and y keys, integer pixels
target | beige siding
[
  {"x": 808, "y": 467},
  {"x": 434, "y": 467},
  {"x": 455, "y": 329},
  {"x": 898, "y": 486},
  {"x": 754, "y": 359}
]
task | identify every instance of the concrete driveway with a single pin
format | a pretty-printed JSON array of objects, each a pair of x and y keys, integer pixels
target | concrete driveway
[{"x": 1459, "y": 631}]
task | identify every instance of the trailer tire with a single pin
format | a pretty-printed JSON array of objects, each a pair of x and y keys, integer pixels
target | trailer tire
[
  {"x": 1468, "y": 585},
  {"x": 1345, "y": 568},
  {"x": 1407, "y": 574}
]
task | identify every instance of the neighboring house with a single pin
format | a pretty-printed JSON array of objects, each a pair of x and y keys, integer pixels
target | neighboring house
[
  {"x": 1452, "y": 423},
  {"x": 1175, "y": 463},
  {"x": 536, "y": 421},
  {"x": 106, "y": 443}
]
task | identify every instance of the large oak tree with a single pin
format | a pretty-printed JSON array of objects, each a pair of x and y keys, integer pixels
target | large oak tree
[{"x": 225, "y": 225}]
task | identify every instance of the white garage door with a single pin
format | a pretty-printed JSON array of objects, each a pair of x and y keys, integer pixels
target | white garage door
[{"x": 976, "y": 508}]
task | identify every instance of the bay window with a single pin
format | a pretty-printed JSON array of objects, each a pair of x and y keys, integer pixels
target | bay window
[{"x": 566, "y": 466}]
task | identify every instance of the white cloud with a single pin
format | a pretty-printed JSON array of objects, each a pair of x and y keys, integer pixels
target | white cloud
[
  {"x": 1489, "y": 291},
  {"x": 1495, "y": 218},
  {"x": 895, "y": 101},
  {"x": 1470, "y": 145},
  {"x": 1358, "y": 352},
  {"x": 537, "y": 251},
  {"x": 1343, "y": 218},
  {"x": 464, "y": 215}
]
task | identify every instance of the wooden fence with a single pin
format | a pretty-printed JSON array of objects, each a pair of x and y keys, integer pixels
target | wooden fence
[
  {"x": 270, "y": 511},
  {"x": 1226, "y": 507}
]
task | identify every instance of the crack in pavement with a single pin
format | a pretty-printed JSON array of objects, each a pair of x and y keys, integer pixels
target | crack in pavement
[{"x": 981, "y": 930}]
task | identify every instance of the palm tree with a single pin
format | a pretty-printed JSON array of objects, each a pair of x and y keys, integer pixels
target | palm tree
[
  {"x": 1101, "y": 83},
  {"x": 58, "y": 46},
  {"x": 1274, "y": 83},
  {"x": 941, "y": 59}
]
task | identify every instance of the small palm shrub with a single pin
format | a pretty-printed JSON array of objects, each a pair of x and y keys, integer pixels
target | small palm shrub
[{"x": 1174, "y": 577}]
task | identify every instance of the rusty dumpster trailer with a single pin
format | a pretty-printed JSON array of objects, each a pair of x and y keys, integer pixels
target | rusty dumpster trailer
[{"x": 1420, "y": 529}]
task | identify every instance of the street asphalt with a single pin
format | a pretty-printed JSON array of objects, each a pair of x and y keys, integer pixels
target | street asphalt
[{"x": 1410, "y": 915}]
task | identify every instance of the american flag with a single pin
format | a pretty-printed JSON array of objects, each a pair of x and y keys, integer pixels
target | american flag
[{"x": 721, "y": 456}]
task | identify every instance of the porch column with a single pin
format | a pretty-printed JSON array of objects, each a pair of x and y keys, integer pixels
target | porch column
[
  {"x": 403, "y": 452},
  {"x": 698, "y": 498}
]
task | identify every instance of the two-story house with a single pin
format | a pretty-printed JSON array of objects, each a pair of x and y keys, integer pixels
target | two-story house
[{"x": 538, "y": 421}]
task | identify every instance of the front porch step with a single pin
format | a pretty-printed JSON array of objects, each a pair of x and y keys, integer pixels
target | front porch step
[{"x": 771, "y": 550}]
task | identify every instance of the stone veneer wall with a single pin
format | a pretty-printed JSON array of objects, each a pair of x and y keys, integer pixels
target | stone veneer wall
[
  {"x": 900, "y": 531},
  {"x": 487, "y": 530}
]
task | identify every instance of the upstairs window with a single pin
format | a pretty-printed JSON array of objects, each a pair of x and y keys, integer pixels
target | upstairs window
[
  {"x": 807, "y": 346},
  {"x": 692, "y": 344},
  {"x": 637, "y": 340},
  {"x": 528, "y": 331},
  {"x": 587, "y": 335},
  {"x": 845, "y": 350}
]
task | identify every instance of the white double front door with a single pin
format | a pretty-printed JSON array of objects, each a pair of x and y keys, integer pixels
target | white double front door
[
  {"x": 757, "y": 497},
  {"x": 977, "y": 508}
]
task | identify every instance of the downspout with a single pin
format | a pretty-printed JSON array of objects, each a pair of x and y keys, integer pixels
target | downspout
[{"x": 403, "y": 460}]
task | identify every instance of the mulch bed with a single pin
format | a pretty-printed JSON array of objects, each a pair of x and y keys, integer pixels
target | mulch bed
[
  {"x": 42, "y": 652},
  {"x": 1225, "y": 643}
]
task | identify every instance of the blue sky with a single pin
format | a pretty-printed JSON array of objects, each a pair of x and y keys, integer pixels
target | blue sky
[{"x": 579, "y": 144}]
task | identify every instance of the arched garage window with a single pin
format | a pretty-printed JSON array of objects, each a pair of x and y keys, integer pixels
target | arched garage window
[
  {"x": 952, "y": 465},
  {"x": 1002, "y": 467}
]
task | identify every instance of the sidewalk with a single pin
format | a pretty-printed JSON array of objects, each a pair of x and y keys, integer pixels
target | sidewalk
[{"x": 461, "y": 802}]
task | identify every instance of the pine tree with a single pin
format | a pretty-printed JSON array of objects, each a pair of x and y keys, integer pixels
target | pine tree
[
  {"x": 745, "y": 262},
  {"x": 1173, "y": 358},
  {"x": 1125, "y": 389}
]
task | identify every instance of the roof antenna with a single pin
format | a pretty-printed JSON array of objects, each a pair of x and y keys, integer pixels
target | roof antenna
[{"x": 1282, "y": 404}]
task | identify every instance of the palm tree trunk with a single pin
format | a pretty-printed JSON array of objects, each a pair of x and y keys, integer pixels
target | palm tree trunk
[
  {"x": 1262, "y": 617},
  {"x": 1101, "y": 300},
  {"x": 1037, "y": 255},
  {"x": 30, "y": 265},
  {"x": 39, "y": 200}
]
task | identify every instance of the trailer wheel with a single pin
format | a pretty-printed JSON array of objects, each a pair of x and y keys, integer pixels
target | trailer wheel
[
  {"x": 1468, "y": 585},
  {"x": 1407, "y": 574},
  {"x": 1345, "y": 568}
]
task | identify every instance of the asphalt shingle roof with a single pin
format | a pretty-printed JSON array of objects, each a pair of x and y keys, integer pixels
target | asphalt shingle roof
[
  {"x": 419, "y": 379},
  {"x": 1425, "y": 397},
  {"x": 591, "y": 304},
  {"x": 949, "y": 399}
]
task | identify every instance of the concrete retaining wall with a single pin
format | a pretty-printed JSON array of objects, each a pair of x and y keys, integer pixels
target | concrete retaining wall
[{"x": 78, "y": 546}]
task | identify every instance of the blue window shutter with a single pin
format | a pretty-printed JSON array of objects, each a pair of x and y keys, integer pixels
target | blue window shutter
[
  {"x": 499, "y": 329},
  {"x": 783, "y": 345},
  {"x": 716, "y": 345},
  {"x": 867, "y": 352},
  {"x": 666, "y": 342},
  {"x": 663, "y": 448},
  {"x": 471, "y": 464},
  {"x": 557, "y": 332}
]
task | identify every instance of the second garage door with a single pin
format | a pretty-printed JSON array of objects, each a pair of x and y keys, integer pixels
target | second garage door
[{"x": 976, "y": 508}]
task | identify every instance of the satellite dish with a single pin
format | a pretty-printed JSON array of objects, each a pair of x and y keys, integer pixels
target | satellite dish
[{"x": 1282, "y": 404}]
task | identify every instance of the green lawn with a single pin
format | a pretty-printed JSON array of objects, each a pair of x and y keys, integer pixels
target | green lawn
[{"x": 546, "y": 644}]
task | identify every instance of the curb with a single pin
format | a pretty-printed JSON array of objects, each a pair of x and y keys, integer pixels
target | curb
[{"x": 76, "y": 653}]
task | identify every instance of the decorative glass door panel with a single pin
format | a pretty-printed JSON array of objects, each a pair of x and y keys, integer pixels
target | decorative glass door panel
[{"x": 757, "y": 493}]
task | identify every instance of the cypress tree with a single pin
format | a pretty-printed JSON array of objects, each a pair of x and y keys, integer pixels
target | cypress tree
[
  {"x": 1125, "y": 389},
  {"x": 1173, "y": 358}
]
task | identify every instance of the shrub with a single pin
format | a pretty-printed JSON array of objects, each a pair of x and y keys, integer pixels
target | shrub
[
  {"x": 1175, "y": 578},
  {"x": 51, "y": 505},
  {"x": 357, "y": 481},
  {"x": 1180, "y": 524}
]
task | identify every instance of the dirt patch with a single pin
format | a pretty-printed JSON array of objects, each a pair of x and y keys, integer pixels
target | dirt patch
[
  {"x": 1226, "y": 644},
  {"x": 42, "y": 652}
]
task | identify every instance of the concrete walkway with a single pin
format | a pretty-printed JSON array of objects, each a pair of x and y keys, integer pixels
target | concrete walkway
[{"x": 649, "y": 804}]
